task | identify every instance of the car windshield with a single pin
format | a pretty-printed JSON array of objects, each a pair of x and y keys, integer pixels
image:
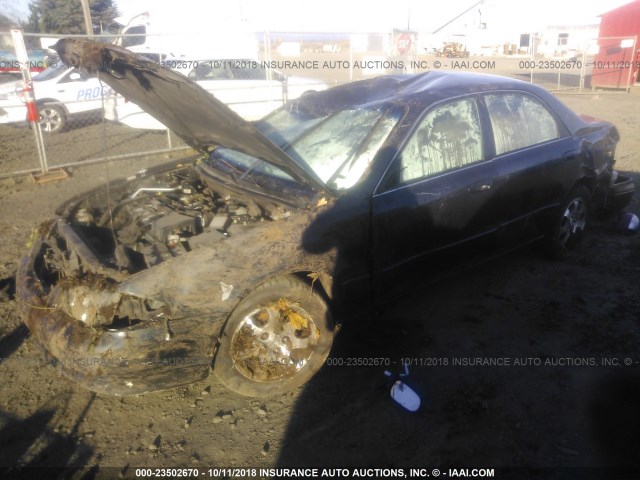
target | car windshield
[
  {"x": 335, "y": 149},
  {"x": 51, "y": 72},
  {"x": 341, "y": 147}
]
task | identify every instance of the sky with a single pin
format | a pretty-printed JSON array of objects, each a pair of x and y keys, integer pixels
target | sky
[
  {"x": 368, "y": 15},
  {"x": 15, "y": 9},
  {"x": 382, "y": 15}
]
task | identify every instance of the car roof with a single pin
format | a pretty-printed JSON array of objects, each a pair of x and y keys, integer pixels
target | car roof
[{"x": 422, "y": 90}]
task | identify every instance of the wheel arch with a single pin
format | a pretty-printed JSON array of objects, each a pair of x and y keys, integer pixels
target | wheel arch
[
  {"x": 44, "y": 101},
  {"x": 589, "y": 182},
  {"x": 319, "y": 281}
]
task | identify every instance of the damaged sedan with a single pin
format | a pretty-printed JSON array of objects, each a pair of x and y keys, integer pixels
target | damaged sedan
[{"x": 246, "y": 257}]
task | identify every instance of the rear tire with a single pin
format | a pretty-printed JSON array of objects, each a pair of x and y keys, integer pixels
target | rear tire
[
  {"x": 570, "y": 225},
  {"x": 53, "y": 118},
  {"x": 275, "y": 340}
]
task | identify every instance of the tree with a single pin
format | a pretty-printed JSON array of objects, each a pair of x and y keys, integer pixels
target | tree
[
  {"x": 65, "y": 16},
  {"x": 6, "y": 24}
]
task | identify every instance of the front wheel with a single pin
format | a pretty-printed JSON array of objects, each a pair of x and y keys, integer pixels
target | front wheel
[
  {"x": 570, "y": 226},
  {"x": 275, "y": 340}
]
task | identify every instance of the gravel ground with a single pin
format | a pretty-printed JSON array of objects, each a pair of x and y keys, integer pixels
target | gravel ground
[{"x": 573, "y": 409}]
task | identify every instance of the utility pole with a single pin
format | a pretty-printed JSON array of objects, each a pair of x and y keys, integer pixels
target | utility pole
[{"x": 88, "y": 25}]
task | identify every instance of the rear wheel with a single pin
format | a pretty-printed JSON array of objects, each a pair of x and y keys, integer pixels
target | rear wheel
[
  {"x": 275, "y": 340},
  {"x": 570, "y": 226},
  {"x": 53, "y": 118}
]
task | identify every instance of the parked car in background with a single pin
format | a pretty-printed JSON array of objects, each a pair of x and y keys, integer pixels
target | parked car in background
[
  {"x": 61, "y": 93},
  {"x": 38, "y": 61},
  {"x": 244, "y": 85},
  {"x": 244, "y": 257}
]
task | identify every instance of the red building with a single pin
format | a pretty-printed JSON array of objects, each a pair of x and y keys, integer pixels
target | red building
[{"x": 618, "y": 58}]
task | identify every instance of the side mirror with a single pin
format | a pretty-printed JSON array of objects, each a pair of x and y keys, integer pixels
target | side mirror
[
  {"x": 405, "y": 396},
  {"x": 402, "y": 393},
  {"x": 75, "y": 76}
]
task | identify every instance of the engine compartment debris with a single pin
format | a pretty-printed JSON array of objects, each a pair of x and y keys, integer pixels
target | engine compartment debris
[{"x": 171, "y": 215}]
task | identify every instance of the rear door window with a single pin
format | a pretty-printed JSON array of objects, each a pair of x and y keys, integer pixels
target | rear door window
[{"x": 519, "y": 121}]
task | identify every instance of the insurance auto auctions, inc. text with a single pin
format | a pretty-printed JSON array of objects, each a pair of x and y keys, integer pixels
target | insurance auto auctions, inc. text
[{"x": 373, "y": 472}]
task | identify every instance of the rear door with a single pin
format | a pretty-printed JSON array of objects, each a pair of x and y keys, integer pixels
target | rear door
[
  {"x": 533, "y": 159},
  {"x": 436, "y": 203}
]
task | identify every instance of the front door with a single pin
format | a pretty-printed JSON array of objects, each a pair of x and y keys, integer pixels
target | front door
[{"x": 436, "y": 202}]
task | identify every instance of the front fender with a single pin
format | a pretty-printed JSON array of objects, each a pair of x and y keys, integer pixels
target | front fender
[{"x": 216, "y": 277}]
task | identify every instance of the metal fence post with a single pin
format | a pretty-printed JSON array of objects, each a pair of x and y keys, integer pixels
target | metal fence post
[
  {"x": 351, "y": 58},
  {"x": 32, "y": 108},
  {"x": 533, "y": 62},
  {"x": 583, "y": 70},
  {"x": 631, "y": 64}
]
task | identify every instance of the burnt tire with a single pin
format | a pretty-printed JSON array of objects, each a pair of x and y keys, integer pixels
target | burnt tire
[
  {"x": 275, "y": 340},
  {"x": 570, "y": 224},
  {"x": 53, "y": 118}
]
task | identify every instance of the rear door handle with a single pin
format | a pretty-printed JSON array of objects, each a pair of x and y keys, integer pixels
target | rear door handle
[{"x": 480, "y": 187}]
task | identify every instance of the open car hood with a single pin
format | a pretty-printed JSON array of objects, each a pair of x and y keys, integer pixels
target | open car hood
[{"x": 189, "y": 111}]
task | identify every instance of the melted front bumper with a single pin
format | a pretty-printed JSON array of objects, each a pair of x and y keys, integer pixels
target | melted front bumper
[{"x": 143, "y": 357}]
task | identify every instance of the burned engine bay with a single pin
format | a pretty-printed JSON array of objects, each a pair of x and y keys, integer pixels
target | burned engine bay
[
  {"x": 167, "y": 216},
  {"x": 111, "y": 234}
]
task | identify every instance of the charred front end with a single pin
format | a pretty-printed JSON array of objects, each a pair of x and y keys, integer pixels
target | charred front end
[{"x": 115, "y": 288}]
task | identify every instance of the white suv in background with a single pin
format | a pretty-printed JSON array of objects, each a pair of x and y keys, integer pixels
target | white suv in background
[
  {"x": 248, "y": 88},
  {"x": 61, "y": 93}
]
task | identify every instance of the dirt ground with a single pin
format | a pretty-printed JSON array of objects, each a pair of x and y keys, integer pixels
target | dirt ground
[{"x": 564, "y": 402}]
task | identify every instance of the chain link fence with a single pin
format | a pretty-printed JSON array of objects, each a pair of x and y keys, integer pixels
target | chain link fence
[
  {"x": 85, "y": 122},
  {"x": 606, "y": 63}
]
